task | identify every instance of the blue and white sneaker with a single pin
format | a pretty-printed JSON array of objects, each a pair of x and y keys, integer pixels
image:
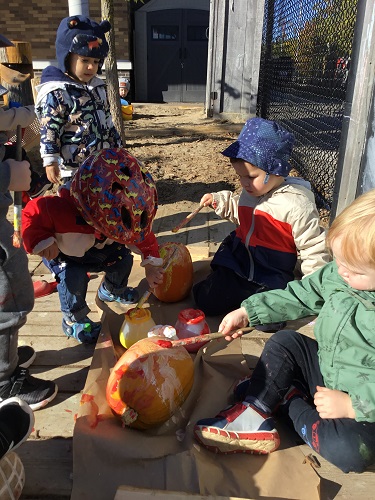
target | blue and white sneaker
[
  {"x": 84, "y": 331},
  {"x": 238, "y": 429},
  {"x": 128, "y": 296}
]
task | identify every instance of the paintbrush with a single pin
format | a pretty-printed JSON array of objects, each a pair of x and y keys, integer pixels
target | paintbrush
[
  {"x": 201, "y": 338},
  {"x": 187, "y": 219},
  {"x": 17, "y": 239}
]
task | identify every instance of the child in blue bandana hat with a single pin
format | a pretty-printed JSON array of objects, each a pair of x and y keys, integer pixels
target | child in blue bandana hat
[{"x": 277, "y": 222}]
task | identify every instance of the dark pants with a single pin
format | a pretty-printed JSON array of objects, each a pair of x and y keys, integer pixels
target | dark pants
[
  {"x": 290, "y": 358},
  {"x": 223, "y": 291}
]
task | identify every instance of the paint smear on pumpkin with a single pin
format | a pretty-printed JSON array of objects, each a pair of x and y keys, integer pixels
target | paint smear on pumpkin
[
  {"x": 166, "y": 344},
  {"x": 160, "y": 374}
]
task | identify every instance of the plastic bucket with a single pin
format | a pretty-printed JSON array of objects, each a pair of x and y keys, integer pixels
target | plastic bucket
[{"x": 127, "y": 112}]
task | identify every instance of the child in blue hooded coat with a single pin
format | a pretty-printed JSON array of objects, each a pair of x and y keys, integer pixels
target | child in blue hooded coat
[{"x": 72, "y": 102}]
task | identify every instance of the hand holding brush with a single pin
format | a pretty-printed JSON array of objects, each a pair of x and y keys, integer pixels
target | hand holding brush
[{"x": 201, "y": 338}]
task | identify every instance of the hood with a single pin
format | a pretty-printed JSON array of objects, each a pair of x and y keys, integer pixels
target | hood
[{"x": 53, "y": 78}]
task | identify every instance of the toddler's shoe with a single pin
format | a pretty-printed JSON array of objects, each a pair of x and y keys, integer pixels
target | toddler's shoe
[
  {"x": 238, "y": 429},
  {"x": 39, "y": 185},
  {"x": 26, "y": 356},
  {"x": 128, "y": 296},
  {"x": 84, "y": 331},
  {"x": 12, "y": 477},
  {"x": 292, "y": 393},
  {"x": 16, "y": 424},
  {"x": 35, "y": 392}
]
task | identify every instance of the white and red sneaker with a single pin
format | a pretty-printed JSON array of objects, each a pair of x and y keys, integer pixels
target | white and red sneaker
[{"x": 238, "y": 429}]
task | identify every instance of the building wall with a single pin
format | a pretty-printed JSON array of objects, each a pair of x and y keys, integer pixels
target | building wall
[
  {"x": 233, "y": 58},
  {"x": 36, "y": 22}
]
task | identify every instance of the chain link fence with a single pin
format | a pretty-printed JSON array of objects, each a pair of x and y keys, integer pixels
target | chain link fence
[{"x": 304, "y": 69}]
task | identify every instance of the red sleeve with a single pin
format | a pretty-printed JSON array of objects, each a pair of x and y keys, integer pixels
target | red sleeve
[
  {"x": 149, "y": 246},
  {"x": 37, "y": 225}
]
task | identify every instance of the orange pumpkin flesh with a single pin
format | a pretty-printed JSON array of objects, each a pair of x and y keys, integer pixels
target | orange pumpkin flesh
[
  {"x": 149, "y": 383},
  {"x": 178, "y": 278}
]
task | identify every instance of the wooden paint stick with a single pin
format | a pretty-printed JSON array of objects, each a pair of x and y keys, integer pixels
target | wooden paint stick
[
  {"x": 187, "y": 219},
  {"x": 201, "y": 338}
]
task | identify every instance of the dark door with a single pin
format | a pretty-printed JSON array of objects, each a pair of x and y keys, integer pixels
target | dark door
[{"x": 177, "y": 55}]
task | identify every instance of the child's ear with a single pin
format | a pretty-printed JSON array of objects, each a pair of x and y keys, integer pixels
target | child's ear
[{"x": 105, "y": 26}]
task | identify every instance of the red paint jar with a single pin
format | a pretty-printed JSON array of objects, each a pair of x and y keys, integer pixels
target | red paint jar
[{"x": 190, "y": 323}]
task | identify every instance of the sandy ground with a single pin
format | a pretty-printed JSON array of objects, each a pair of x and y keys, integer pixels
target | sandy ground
[{"x": 182, "y": 149}]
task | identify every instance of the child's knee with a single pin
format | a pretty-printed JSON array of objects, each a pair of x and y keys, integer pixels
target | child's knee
[{"x": 348, "y": 452}]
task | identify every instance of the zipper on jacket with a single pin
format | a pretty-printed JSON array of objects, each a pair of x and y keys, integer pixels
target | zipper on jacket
[
  {"x": 247, "y": 244},
  {"x": 96, "y": 116}
]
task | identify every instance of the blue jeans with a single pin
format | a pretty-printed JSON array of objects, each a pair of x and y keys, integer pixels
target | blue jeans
[
  {"x": 71, "y": 274},
  {"x": 290, "y": 358}
]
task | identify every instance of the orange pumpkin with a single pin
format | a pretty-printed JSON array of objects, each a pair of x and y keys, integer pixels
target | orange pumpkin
[
  {"x": 178, "y": 277},
  {"x": 149, "y": 383}
]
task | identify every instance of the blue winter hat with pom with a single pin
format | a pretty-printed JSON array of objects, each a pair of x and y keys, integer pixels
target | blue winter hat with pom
[
  {"x": 80, "y": 35},
  {"x": 264, "y": 144}
]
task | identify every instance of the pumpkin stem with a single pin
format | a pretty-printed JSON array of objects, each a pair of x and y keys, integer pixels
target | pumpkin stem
[{"x": 129, "y": 415}]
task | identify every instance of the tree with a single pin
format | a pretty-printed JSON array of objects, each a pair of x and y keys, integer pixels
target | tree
[{"x": 111, "y": 71}]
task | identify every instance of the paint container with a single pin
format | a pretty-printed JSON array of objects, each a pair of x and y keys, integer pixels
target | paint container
[
  {"x": 190, "y": 323},
  {"x": 136, "y": 325},
  {"x": 166, "y": 331}
]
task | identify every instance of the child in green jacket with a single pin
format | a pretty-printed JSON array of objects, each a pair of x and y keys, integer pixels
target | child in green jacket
[{"x": 325, "y": 386}]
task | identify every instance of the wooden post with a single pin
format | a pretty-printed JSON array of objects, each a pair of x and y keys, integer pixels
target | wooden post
[
  {"x": 16, "y": 71},
  {"x": 111, "y": 74}
]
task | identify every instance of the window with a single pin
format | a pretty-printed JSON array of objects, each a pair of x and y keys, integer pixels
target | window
[{"x": 163, "y": 33}]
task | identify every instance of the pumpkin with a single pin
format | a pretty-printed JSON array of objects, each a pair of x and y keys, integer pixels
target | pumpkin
[
  {"x": 178, "y": 277},
  {"x": 149, "y": 383}
]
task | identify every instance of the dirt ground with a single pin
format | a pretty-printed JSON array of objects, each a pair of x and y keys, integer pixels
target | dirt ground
[{"x": 181, "y": 148}]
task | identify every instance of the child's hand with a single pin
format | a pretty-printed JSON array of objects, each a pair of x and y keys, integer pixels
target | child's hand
[
  {"x": 331, "y": 403},
  {"x": 53, "y": 173},
  {"x": 154, "y": 275},
  {"x": 51, "y": 252},
  {"x": 206, "y": 200},
  {"x": 20, "y": 175},
  {"x": 233, "y": 321}
]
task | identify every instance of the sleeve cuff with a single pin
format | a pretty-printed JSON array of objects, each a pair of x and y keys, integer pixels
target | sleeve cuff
[{"x": 152, "y": 261}]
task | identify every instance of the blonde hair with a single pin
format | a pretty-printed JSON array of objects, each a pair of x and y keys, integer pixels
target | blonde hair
[{"x": 355, "y": 225}]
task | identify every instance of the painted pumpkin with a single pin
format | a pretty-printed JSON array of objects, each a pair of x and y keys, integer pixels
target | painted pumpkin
[
  {"x": 178, "y": 277},
  {"x": 149, "y": 383}
]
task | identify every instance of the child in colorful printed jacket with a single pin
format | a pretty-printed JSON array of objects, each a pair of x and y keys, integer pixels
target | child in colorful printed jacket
[
  {"x": 93, "y": 227},
  {"x": 72, "y": 102},
  {"x": 276, "y": 217},
  {"x": 325, "y": 387}
]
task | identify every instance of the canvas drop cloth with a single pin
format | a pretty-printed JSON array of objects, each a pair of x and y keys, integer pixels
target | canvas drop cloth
[{"x": 106, "y": 455}]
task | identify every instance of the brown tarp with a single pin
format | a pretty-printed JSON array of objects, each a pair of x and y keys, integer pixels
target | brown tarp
[{"x": 107, "y": 455}]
